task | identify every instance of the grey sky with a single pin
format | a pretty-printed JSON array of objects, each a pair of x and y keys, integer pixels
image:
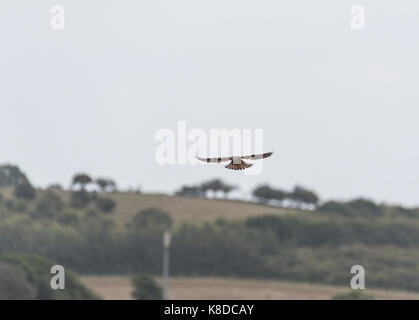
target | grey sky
[{"x": 339, "y": 107}]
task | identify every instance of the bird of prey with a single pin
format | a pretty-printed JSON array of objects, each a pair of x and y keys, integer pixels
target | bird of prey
[{"x": 237, "y": 162}]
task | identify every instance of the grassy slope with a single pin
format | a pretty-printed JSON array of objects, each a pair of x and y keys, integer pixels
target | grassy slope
[
  {"x": 187, "y": 209},
  {"x": 119, "y": 287},
  {"x": 184, "y": 209}
]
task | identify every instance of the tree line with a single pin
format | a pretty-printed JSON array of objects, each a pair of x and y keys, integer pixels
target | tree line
[
  {"x": 299, "y": 197},
  {"x": 12, "y": 176}
]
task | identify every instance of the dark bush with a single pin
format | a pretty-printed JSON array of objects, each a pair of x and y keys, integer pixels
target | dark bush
[
  {"x": 48, "y": 205},
  {"x": 37, "y": 272},
  {"x": 13, "y": 284},
  {"x": 152, "y": 218},
  {"x": 353, "y": 295},
  {"x": 25, "y": 191},
  {"x": 190, "y": 191},
  {"x": 286, "y": 228},
  {"x": 80, "y": 199},
  {"x": 105, "y": 204},
  {"x": 16, "y": 205},
  {"x": 365, "y": 208},
  {"x": 145, "y": 288},
  {"x": 11, "y": 176},
  {"x": 336, "y": 207},
  {"x": 225, "y": 249},
  {"x": 68, "y": 217}
]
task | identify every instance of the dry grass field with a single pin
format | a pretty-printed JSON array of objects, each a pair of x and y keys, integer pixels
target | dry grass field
[
  {"x": 119, "y": 287},
  {"x": 182, "y": 209},
  {"x": 188, "y": 209}
]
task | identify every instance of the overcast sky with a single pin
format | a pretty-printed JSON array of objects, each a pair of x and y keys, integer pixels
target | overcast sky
[{"x": 338, "y": 106}]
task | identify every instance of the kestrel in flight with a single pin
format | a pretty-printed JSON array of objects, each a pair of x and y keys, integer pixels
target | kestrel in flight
[{"x": 237, "y": 162}]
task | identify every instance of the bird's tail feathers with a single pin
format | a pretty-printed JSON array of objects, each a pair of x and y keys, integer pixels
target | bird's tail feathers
[{"x": 240, "y": 166}]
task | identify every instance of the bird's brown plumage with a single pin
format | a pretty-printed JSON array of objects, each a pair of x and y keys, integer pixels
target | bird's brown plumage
[
  {"x": 242, "y": 165},
  {"x": 237, "y": 162}
]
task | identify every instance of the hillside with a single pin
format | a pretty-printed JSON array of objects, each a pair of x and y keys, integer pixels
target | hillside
[
  {"x": 188, "y": 209},
  {"x": 181, "y": 208},
  {"x": 184, "y": 209},
  {"x": 252, "y": 240}
]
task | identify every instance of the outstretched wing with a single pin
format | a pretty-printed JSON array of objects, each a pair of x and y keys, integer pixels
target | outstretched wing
[
  {"x": 215, "y": 160},
  {"x": 258, "y": 156}
]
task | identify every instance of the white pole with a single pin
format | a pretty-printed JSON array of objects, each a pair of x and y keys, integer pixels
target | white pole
[{"x": 166, "y": 248}]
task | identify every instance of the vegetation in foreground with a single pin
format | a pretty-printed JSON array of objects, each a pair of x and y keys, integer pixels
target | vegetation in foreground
[
  {"x": 319, "y": 245},
  {"x": 27, "y": 277},
  {"x": 145, "y": 288},
  {"x": 353, "y": 295}
]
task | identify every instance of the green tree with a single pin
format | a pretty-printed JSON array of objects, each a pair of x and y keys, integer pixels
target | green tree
[
  {"x": 49, "y": 204},
  {"x": 105, "y": 204},
  {"x": 190, "y": 191},
  {"x": 145, "y": 288},
  {"x": 364, "y": 207},
  {"x": 302, "y": 195},
  {"x": 82, "y": 180},
  {"x": 361, "y": 208},
  {"x": 217, "y": 185},
  {"x": 25, "y": 191},
  {"x": 80, "y": 199},
  {"x": 152, "y": 218},
  {"x": 265, "y": 193},
  {"x": 11, "y": 176},
  {"x": 105, "y": 184}
]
